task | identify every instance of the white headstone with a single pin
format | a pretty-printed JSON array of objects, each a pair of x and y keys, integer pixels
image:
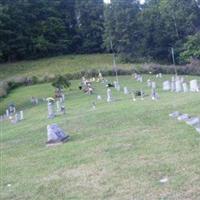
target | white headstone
[
  {"x": 173, "y": 86},
  {"x": 153, "y": 85},
  {"x": 126, "y": 91},
  {"x": 58, "y": 106},
  {"x": 166, "y": 85},
  {"x": 109, "y": 95},
  {"x": 178, "y": 86},
  {"x": 185, "y": 87},
  {"x": 7, "y": 113},
  {"x": 148, "y": 83},
  {"x": 21, "y": 115},
  {"x": 194, "y": 86},
  {"x": 51, "y": 113}
]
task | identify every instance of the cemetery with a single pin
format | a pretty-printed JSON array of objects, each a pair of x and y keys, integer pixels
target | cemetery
[
  {"x": 115, "y": 142},
  {"x": 100, "y": 100}
]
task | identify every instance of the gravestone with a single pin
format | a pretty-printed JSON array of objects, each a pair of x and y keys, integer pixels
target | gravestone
[
  {"x": 193, "y": 121},
  {"x": 153, "y": 85},
  {"x": 183, "y": 117},
  {"x": 51, "y": 112},
  {"x": 148, "y": 83},
  {"x": 21, "y": 115},
  {"x": 154, "y": 95},
  {"x": 99, "y": 97},
  {"x": 185, "y": 87},
  {"x": 178, "y": 86},
  {"x": 7, "y": 113},
  {"x": 142, "y": 95},
  {"x": 166, "y": 85},
  {"x": 109, "y": 95},
  {"x": 56, "y": 135},
  {"x": 175, "y": 114},
  {"x": 194, "y": 86},
  {"x": 126, "y": 91}
]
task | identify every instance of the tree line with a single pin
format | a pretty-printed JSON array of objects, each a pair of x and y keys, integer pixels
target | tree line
[{"x": 40, "y": 28}]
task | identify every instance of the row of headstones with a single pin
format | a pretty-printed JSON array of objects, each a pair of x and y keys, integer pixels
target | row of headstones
[
  {"x": 14, "y": 117},
  {"x": 179, "y": 85},
  {"x": 192, "y": 121},
  {"x": 139, "y": 77}
]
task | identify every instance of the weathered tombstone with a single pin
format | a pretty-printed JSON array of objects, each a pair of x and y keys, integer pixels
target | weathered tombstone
[
  {"x": 99, "y": 97},
  {"x": 56, "y": 135},
  {"x": 148, "y": 83},
  {"x": 7, "y": 113},
  {"x": 118, "y": 87},
  {"x": 62, "y": 97},
  {"x": 109, "y": 95},
  {"x": 175, "y": 114},
  {"x": 50, "y": 106},
  {"x": 182, "y": 79},
  {"x": 153, "y": 85},
  {"x": 160, "y": 75},
  {"x": 194, "y": 86},
  {"x": 142, "y": 95},
  {"x": 21, "y": 115},
  {"x": 94, "y": 105},
  {"x": 193, "y": 121},
  {"x": 166, "y": 85},
  {"x": 126, "y": 91},
  {"x": 133, "y": 96},
  {"x": 185, "y": 87},
  {"x": 183, "y": 117},
  {"x": 178, "y": 86},
  {"x": 154, "y": 95}
]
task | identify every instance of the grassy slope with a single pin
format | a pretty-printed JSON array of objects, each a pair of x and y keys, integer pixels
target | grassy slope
[
  {"x": 120, "y": 151},
  {"x": 57, "y": 65}
]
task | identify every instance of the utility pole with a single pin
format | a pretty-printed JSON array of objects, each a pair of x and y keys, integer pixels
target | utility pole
[
  {"x": 173, "y": 59},
  {"x": 114, "y": 59}
]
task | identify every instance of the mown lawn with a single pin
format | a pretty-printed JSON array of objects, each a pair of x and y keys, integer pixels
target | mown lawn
[
  {"x": 118, "y": 151},
  {"x": 57, "y": 65}
]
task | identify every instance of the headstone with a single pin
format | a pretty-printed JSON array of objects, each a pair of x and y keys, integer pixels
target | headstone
[
  {"x": 126, "y": 91},
  {"x": 194, "y": 86},
  {"x": 109, "y": 95},
  {"x": 142, "y": 95},
  {"x": 154, "y": 95},
  {"x": 175, "y": 114},
  {"x": 99, "y": 97},
  {"x": 178, "y": 86},
  {"x": 7, "y": 113},
  {"x": 166, "y": 86},
  {"x": 148, "y": 83},
  {"x": 193, "y": 121},
  {"x": 51, "y": 113},
  {"x": 56, "y": 135},
  {"x": 21, "y": 115},
  {"x": 153, "y": 85},
  {"x": 183, "y": 117},
  {"x": 185, "y": 87}
]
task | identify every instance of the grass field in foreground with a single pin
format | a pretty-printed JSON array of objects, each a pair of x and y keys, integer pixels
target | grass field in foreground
[
  {"x": 118, "y": 151},
  {"x": 58, "y": 65}
]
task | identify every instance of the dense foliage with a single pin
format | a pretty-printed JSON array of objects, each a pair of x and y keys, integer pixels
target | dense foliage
[{"x": 41, "y": 28}]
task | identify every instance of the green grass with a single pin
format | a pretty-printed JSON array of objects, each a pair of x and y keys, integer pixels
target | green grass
[
  {"x": 57, "y": 65},
  {"x": 119, "y": 151}
]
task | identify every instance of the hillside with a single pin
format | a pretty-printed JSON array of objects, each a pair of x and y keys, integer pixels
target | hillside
[{"x": 57, "y": 65}]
